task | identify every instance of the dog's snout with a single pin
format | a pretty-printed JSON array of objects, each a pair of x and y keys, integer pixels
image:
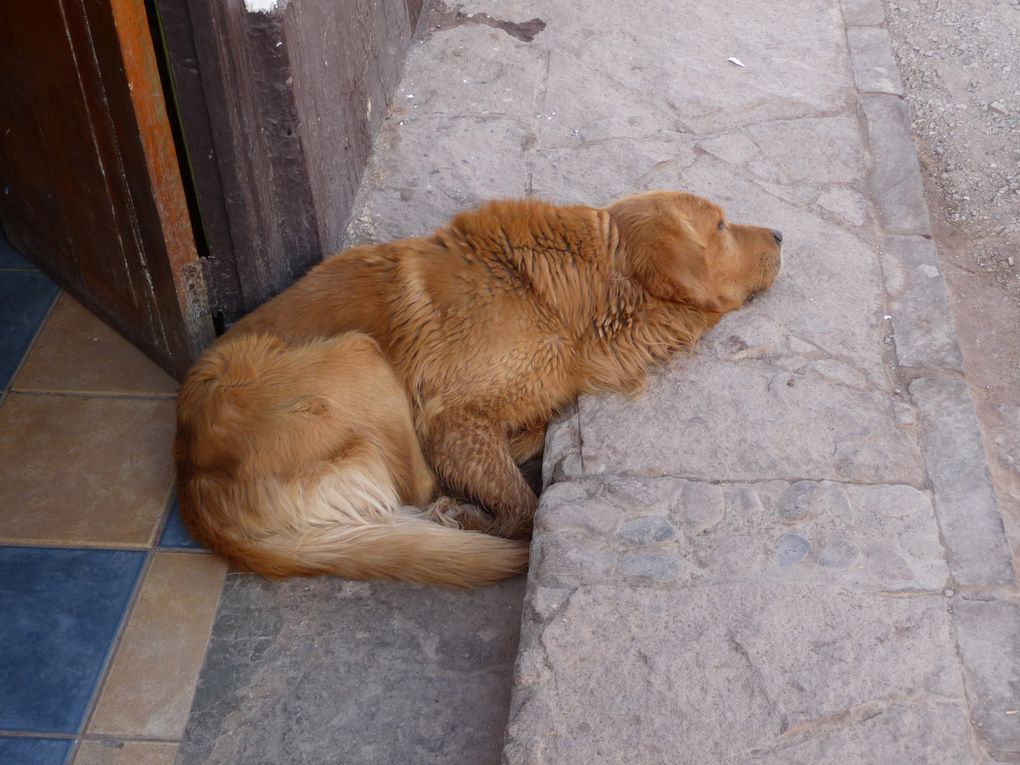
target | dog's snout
[{"x": 777, "y": 235}]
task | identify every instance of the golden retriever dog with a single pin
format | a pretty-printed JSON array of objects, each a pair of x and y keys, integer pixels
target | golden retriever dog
[{"x": 329, "y": 431}]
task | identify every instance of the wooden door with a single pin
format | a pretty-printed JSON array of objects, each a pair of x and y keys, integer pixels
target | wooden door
[{"x": 90, "y": 186}]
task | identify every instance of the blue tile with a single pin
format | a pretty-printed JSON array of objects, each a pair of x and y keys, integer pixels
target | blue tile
[
  {"x": 33, "y": 751},
  {"x": 11, "y": 258},
  {"x": 175, "y": 534},
  {"x": 61, "y": 610},
  {"x": 25, "y": 296}
]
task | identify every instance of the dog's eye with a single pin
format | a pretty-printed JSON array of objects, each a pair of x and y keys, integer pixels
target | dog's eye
[{"x": 721, "y": 226}]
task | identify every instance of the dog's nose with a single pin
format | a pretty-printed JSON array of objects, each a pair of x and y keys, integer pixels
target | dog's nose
[{"x": 777, "y": 235}]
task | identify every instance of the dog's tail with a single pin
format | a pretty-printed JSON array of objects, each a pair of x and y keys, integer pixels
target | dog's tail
[
  {"x": 414, "y": 550},
  {"x": 352, "y": 526}
]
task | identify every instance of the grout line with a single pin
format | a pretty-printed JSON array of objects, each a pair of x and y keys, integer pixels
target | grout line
[
  {"x": 92, "y": 394},
  {"x": 41, "y": 544},
  {"x": 119, "y": 737},
  {"x": 71, "y": 545},
  {"x": 34, "y": 734}
]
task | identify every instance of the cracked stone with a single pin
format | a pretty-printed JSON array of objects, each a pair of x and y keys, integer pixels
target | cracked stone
[
  {"x": 566, "y": 491},
  {"x": 903, "y": 734},
  {"x": 758, "y": 427},
  {"x": 792, "y": 152},
  {"x": 598, "y": 102},
  {"x": 639, "y": 495},
  {"x": 878, "y": 537},
  {"x": 713, "y": 93},
  {"x": 600, "y": 172},
  {"x": 807, "y": 667},
  {"x": 545, "y": 601},
  {"x": 471, "y": 159},
  {"x": 846, "y": 204},
  {"x": 735, "y": 148}
]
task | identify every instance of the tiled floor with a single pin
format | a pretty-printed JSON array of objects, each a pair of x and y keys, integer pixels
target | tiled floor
[{"x": 106, "y": 606}]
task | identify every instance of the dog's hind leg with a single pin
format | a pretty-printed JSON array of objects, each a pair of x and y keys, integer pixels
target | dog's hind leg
[
  {"x": 472, "y": 456},
  {"x": 528, "y": 442}
]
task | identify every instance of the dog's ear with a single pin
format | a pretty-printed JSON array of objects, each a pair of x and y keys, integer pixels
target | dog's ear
[{"x": 664, "y": 252}]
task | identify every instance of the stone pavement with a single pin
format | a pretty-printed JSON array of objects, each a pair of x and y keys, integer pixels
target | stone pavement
[
  {"x": 788, "y": 549},
  {"x": 324, "y": 671}
]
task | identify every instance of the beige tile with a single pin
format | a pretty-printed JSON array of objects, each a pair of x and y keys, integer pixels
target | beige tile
[
  {"x": 77, "y": 351},
  {"x": 149, "y": 688},
  {"x": 114, "y": 752},
  {"x": 77, "y": 470}
]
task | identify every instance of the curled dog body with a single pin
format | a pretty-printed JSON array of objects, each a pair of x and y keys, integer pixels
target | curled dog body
[{"x": 326, "y": 431}]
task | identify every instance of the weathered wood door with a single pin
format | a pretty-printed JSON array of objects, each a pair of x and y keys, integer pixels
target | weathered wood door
[{"x": 90, "y": 186}]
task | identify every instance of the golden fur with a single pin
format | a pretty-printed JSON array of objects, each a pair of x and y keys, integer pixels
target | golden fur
[{"x": 315, "y": 435}]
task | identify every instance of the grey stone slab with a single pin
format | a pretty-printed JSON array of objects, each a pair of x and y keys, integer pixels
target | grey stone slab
[
  {"x": 624, "y": 528},
  {"x": 471, "y": 70},
  {"x": 895, "y": 176},
  {"x": 748, "y": 420},
  {"x": 433, "y": 166},
  {"x": 588, "y": 98},
  {"x": 873, "y": 61},
  {"x": 847, "y": 205},
  {"x": 675, "y": 57},
  {"x": 863, "y": 13},
  {"x": 923, "y": 325},
  {"x": 598, "y": 172},
  {"x": 869, "y": 735},
  {"x": 816, "y": 151},
  {"x": 327, "y": 670},
  {"x": 724, "y": 673},
  {"x": 735, "y": 148},
  {"x": 561, "y": 460},
  {"x": 965, "y": 501},
  {"x": 988, "y": 634}
]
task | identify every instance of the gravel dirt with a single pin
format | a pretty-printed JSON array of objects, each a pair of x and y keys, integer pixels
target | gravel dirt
[{"x": 960, "y": 63}]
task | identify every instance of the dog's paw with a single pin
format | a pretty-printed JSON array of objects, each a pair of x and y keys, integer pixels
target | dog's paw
[{"x": 452, "y": 513}]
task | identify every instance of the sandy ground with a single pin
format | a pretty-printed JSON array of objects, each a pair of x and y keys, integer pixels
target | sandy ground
[{"x": 961, "y": 71}]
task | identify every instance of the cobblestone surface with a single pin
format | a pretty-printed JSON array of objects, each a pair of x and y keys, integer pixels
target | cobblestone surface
[{"x": 787, "y": 550}]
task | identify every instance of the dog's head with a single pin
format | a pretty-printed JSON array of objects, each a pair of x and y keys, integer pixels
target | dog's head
[{"x": 681, "y": 248}]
